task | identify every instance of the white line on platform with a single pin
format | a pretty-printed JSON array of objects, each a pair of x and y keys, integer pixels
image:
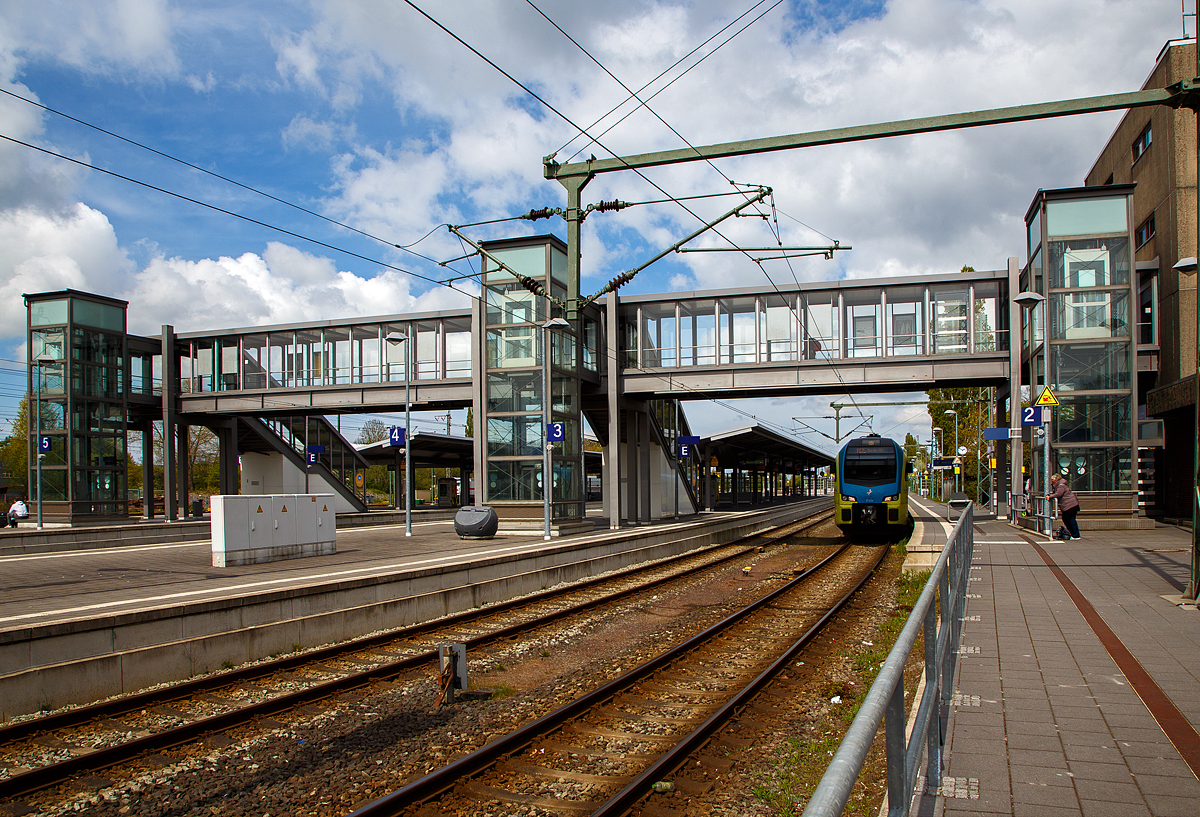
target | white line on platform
[
  {"x": 63, "y": 554},
  {"x": 251, "y": 585}
]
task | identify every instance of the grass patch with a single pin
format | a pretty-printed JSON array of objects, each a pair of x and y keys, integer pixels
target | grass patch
[{"x": 502, "y": 690}]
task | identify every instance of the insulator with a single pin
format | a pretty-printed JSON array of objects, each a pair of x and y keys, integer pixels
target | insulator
[
  {"x": 608, "y": 206},
  {"x": 534, "y": 215},
  {"x": 532, "y": 285}
]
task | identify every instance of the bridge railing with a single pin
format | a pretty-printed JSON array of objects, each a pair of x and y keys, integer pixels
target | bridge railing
[{"x": 885, "y": 699}]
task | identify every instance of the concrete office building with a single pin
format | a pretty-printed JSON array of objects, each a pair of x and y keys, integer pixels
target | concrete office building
[{"x": 1155, "y": 149}]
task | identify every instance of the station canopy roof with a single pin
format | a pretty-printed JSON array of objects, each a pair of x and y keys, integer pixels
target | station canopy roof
[
  {"x": 755, "y": 444},
  {"x": 432, "y": 450}
]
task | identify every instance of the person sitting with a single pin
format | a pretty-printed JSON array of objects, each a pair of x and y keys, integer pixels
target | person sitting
[{"x": 17, "y": 511}]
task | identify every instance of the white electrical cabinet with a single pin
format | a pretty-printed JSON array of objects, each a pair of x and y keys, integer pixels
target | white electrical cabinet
[{"x": 266, "y": 528}]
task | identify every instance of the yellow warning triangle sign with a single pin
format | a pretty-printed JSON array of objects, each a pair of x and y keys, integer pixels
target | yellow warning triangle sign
[
  {"x": 260, "y": 508},
  {"x": 284, "y": 509},
  {"x": 324, "y": 507},
  {"x": 1047, "y": 398}
]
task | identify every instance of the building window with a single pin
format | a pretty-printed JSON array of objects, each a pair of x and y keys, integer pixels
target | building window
[
  {"x": 1145, "y": 232},
  {"x": 1142, "y": 143}
]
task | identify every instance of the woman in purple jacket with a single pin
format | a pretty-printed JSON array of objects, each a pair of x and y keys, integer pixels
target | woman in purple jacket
[{"x": 1068, "y": 505}]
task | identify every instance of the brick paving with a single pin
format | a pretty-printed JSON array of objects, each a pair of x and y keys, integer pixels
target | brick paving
[{"x": 1058, "y": 728}]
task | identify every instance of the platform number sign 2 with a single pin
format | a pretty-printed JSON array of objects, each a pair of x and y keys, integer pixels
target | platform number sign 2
[
  {"x": 556, "y": 432},
  {"x": 1031, "y": 416}
]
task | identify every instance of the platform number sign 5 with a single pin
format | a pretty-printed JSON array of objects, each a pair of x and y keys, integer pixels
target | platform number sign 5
[
  {"x": 43, "y": 444},
  {"x": 556, "y": 432}
]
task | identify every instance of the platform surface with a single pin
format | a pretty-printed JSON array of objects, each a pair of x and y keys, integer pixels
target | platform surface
[
  {"x": 73, "y": 585},
  {"x": 1078, "y": 685}
]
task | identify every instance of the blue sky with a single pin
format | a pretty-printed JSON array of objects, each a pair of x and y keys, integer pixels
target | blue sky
[{"x": 363, "y": 111}]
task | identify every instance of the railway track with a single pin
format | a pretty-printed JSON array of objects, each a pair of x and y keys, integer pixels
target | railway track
[
  {"x": 43, "y": 752},
  {"x": 606, "y": 750}
]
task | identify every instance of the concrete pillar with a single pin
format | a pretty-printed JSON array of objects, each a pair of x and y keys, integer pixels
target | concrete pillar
[
  {"x": 170, "y": 384},
  {"x": 644, "y": 506},
  {"x": 181, "y": 470},
  {"x": 612, "y": 454},
  {"x": 228, "y": 482},
  {"x": 148, "y": 470},
  {"x": 631, "y": 467}
]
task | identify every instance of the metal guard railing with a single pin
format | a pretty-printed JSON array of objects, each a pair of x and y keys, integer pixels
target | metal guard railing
[{"x": 885, "y": 699}]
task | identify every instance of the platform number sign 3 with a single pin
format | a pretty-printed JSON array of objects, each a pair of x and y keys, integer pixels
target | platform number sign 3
[{"x": 556, "y": 432}]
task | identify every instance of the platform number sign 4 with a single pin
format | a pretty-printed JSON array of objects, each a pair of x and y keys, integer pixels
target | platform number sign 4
[
  {"x": 556, "y": 432},
  {"x": 396, "y": 437}
]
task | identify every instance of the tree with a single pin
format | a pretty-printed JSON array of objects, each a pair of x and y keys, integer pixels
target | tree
[
  {"x": 470, "y": 432},
  {"x": 373, "y": 431},
  {"x": 14, "y": 449}
]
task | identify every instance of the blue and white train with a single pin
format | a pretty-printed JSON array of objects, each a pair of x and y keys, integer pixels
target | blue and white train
[{"x": 872, "y": 488}]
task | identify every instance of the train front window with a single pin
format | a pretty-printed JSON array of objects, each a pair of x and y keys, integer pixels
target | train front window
[{"x": 877, "y": 468}]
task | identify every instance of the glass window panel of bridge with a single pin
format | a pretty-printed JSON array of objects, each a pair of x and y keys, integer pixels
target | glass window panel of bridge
[
  {"x": 564, "y": 397},
  {"x": 1089, "y": 366},
  {"x": 509, "y": 304},
  {"x": 364, "y": 353},
  {"x": 591, "y": 345},
  {"x": 255, "y": 357},
  {"x": 566, "y": 482},
  {"x": 562, "y": 349},
  {"x": 1094, "y": 469},
  {"x": 54, "y": 486},
  {"x": 95, "y": 381},
  {"x": 1100, "y": 418},
  {"x": 227, "y": 357},
  {"x": 458, "y": 346},
  {"x": 336, "y": 353},
  {"x": 395, "y": 355},
  {"x": 987, "y": 317},
  {"x": 428, "y": 352},
  {"x": 736, "y": 335},
  {"x": 518, "y": 391},
  {"x": 863, "y": 312},
  {"x": 513, "y": 348},
  {"x": 514, "y": 480},
  {"x": 1089, "y": 314},
  {"x": 949, "y": 305},
  {"x": 54, "y": 416},
  {"x": 658, "y": 334},
  {"x": 47, "y": 342},
  {"x": 778, "y": 328},
  {"x": 697, "y": 333},
  {"x": 308, "y": 358},
  {"x": 905, "y": 307},
  {"x": 821, "y": 340},
  {"x": 515, "y": 436},
  {"x": 281, "y": 360},
  {"x": 202, "y": 366}
]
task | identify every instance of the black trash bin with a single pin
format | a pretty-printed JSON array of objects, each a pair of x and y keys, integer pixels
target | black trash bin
[
  {"x": 476, "y": 523},
  {"x": 956, "y": 504},
  {"x": 197, "y": 508}
]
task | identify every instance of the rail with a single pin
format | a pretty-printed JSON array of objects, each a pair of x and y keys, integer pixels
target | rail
[{"x": 885, "y": 700}]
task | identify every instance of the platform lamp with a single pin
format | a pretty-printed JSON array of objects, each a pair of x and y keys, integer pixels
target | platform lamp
[
  {"x": 40, "y": 361},
  {"x": 1029, "y": 300},
  {"x": 547, "y": 475},
  {"x": 396, "y": 339}
]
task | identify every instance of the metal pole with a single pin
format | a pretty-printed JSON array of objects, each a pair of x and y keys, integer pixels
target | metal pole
[
  {"x": 1194, "y": 584},
  {"x": 678, "y": 463},
  {"x": 37, "y": 442},
  {"x": 546, "y": 432},
  {"x": 407, "y": 434},
  {"x": 1045, "y": 414}
]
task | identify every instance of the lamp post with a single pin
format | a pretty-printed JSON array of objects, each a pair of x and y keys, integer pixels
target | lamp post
[
  {"x": 1030, "y": 300},
  {"x": 398, "y": 339},
  {"x": 954, "y": 414},
  {"x": 940, "y": 445},
  {"x": 547, "y": 486},
  {"x": 40, "y": 361}
]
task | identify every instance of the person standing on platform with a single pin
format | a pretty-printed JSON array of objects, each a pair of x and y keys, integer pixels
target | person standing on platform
[{"x": 1068, "y": 504}]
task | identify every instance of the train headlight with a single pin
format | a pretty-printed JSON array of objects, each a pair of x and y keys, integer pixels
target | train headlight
[{"x": 891, "y": 498}]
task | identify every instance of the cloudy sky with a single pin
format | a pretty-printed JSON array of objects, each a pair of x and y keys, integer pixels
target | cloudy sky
[{"x": 366, "y": 113}]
